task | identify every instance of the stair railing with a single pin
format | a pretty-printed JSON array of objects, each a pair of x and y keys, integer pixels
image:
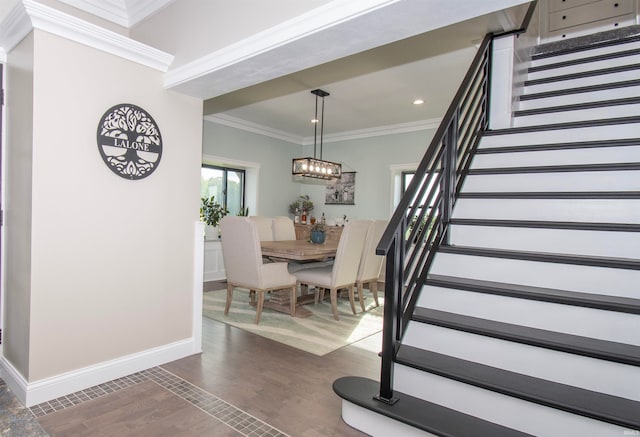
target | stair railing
[{"x": 420, "y": 223}]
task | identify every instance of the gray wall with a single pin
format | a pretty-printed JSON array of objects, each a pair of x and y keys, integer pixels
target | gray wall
[{"x": 371, "y": 158}]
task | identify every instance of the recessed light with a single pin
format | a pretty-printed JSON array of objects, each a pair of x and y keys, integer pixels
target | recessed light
[
  {"x": 418, "y": 102},
  {"x": 314, "y": 120}
]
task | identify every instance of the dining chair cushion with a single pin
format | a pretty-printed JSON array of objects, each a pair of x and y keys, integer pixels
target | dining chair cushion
[
  {"x": 283, "y": 228},
  {"x": 265, "y": 227}
]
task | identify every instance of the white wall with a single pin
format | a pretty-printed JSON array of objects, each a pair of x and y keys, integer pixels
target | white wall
[
  {"x": 17, "y": 205},
  {"x": 109, "y": 271}
]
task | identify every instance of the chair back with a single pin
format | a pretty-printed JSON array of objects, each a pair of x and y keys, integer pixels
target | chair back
[
  {"x": 264, "y": 225},
  {"x": 241, "y": 250},
  {"x": 283, "y": 228},
  {"x": 345, "y": 265},
  {"x": 370, "y": 263}
]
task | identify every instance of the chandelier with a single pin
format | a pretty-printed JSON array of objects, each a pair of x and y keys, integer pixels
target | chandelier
[{"x": 316, "y": 167}]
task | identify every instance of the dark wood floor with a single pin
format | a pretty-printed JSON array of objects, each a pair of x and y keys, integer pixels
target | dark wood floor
[{"x": 287, "y": 388}]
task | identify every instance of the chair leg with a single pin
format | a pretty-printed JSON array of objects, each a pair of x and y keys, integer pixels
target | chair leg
[
  {"x": 259, "y": 306},
  {"x": 321, "y": 293},
  {"x": 229, "y": 298},
  {"x": 352, "y": 299},
  {"x": 293, "y": 301},
  {"x": 252, "y": 297},
  {"x": 316, "y": 294},
  {"x": 373, "y": 287},
  {"x": 361, "y": 295},
  {"x": 334, "y": 302}
]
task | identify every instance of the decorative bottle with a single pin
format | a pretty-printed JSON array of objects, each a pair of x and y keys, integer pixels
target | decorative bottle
[
  {"x": 323, "y": 220},
  {"x": 304, "y": 217},
  {"x": 296, "y": 218}
]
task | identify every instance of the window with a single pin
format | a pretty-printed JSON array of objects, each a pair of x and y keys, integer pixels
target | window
[{"x": 226, "y": 184}]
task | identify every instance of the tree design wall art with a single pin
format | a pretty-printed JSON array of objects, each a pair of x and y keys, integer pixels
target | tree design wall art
[{"x": 129, "y": 141}]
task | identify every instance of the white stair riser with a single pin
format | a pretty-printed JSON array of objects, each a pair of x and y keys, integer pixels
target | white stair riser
[
  {"x": 567, "y": 319},
  {"x": 585, "y": 54},
  {"x": 562, "y": 241},
  {"x": 589, "y": 373},
  {"x": 549, "y": 182},
  {"x": 584, "y": 97},
  {"x": 580, "y": 68},
  {"x": 607, "y": 112},
  {"x": 584, "y": 279},
  {"x": 577, "y": 210},
  {"x": 501, "y": 409},
  {"x": 593, "y": 155},
  {"x": 551, "y": 136},
  {"x": 581, "y": 81},
  {"x": 377, "y": 425}
]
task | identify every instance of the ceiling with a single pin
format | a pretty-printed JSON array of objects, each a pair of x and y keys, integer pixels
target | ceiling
[
  {"x": 372, "y": 82},
  {"x": 371, "y": 91}
]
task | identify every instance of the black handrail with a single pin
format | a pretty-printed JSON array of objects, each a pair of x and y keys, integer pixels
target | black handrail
[{"x": 420, "y": 223}]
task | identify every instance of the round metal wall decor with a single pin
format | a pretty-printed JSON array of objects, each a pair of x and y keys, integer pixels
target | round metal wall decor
[{"x": 129, "y": 141}]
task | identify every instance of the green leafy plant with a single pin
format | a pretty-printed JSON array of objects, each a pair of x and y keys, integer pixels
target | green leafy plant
[
  {"x": 211, "y": 212},
  {"x": 302, "y": 203},
  {"x": 318, "y": 227},
  {"x": 244, "y": 212}
]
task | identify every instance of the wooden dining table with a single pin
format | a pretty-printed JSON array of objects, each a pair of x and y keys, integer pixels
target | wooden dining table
[
  {"x": 295, "y": 250},
  {"x": 299, "y": 250}
]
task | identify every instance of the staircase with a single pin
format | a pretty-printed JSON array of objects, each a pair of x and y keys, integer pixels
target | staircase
[{"x": 529, "y": 320}]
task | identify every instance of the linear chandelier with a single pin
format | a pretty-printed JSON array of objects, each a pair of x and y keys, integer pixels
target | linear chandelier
[{"x": 316, "y": 167}]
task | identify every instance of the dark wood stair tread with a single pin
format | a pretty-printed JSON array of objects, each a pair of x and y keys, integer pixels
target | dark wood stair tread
[
  {"x": 574, "y": 344},
  {"x": 545, "y": 224},
  {"x": 560, "y": 258},
  {"x": 578, "y": 106},
  {"x": 550, "y": 195},
  {"x": 599, "y": 406},
  {"x": 418, "y": 413},
  {"x": 559, "y": 146},
  {"x": 565, "y": 297},
  {"x": 614, "y": 166},
  {"x": 563, "y": 125}
]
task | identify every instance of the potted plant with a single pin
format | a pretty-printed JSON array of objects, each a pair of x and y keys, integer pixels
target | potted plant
[
  {"x": 302, "y": 203},
  {"x": 317, "y": 234},
  {"x": 211, "y": 212}
]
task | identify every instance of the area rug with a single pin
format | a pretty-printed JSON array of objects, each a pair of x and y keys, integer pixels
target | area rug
[{"x": 318, "y": 334}]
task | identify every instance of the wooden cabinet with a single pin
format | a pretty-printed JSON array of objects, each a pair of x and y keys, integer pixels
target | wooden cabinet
[
  {"x": 332, "y": 233},
  {"x": 571, "y": 18}
]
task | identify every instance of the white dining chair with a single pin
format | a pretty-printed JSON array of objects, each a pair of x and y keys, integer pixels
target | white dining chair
[
  {"x": 342, "y": 274},
  {"x": 244, "y": 268},
  {"x": 283, "y": 228},
  {"x": 265, "y": 227},
  {"x": 370, "y": 263}
]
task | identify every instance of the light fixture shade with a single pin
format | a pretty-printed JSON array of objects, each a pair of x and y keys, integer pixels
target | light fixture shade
[{"x": 315, "y": 168}]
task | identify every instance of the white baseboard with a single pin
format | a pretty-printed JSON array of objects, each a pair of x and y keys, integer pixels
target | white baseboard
[{"x": 33, "y": 393}]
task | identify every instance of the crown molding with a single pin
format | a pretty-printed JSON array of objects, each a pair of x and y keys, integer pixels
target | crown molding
[
  {"x": 74, "y": 29},
  {"x": 14, "y": 28},
  {"x": 140, "y": 9},
  {"x": 126, "y": 13},
  {"x": 110, "y": 10},
  {"x": 304, "y": 25},
  {"x": 255, "y": 128},
  {"x": 392, "y": 129}
]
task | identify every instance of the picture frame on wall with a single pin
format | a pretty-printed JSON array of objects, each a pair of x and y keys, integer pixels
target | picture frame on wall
[{"x": 341, "y": 191}]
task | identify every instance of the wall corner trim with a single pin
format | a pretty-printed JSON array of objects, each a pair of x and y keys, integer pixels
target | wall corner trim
[
  {"x": 33, "y": 393},
  {"x": 14, "y": 28},
  {"x": 67, "y": 26}
]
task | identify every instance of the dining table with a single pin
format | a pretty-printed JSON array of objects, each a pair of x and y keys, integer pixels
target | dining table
[
  {"x": 299, "y": 250},
  {"x": 296, "y": 251}
]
